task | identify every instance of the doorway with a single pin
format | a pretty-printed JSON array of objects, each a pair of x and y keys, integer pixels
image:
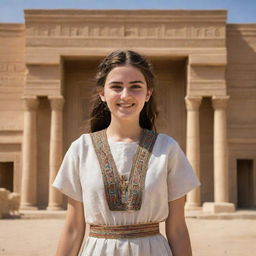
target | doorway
[
  {"x": 6, "y": 175},
  {"x": 170, "y": 92},
  {"x": 245, "y": 183}
]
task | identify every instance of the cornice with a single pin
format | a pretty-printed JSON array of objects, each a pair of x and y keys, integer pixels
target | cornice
[
  {"x": 162, "y": 16},
  {"x": 186, "y": 28},
  {"x": 241, "y": 29},
  {"x": 12, "y": 29},
  {"x": 208, "y": 59}
]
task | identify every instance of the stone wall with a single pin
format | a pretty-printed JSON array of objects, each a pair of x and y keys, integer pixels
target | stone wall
[{"x": 204, "y": 65}]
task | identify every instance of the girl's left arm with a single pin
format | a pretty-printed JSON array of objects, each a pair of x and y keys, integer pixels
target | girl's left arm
[{"x": 176, "y": 229}]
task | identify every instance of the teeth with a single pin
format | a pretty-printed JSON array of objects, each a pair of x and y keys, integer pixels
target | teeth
[{"x": 125, "y": 105}]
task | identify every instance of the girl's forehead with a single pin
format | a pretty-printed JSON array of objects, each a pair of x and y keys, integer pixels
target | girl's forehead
[{"x": 125, "y": 72}]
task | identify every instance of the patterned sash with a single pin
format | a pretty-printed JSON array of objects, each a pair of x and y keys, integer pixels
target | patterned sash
[
  {"x": 124, "y": 231},
  {"x": 111, "y": 177}
]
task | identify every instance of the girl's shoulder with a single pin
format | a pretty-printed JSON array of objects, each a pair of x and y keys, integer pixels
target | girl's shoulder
[
  {"x": 80, "y": 143},
  {"x": 164, "y": 138},
  {"x": 165, "y": 144}
]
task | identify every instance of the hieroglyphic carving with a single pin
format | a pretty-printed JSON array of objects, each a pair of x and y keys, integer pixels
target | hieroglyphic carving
[
  {"x": 106, "y": 31},
  {"x": 150, "y": 32},
  {"x": 11, "y": 73},
  {"x": 127, "y": 31},
  {"x": 11, "y": 67},
  {"x": 11, "y": 80},
  {"x": 131, "y": 31}
]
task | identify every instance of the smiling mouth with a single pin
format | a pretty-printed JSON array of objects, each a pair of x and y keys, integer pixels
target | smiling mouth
[{"x": 126, "y": 105}]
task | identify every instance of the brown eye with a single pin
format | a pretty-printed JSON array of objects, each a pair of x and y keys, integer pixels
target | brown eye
[
  {"x": 116, "y": 87},
  {"x": 136, "y": 86}
]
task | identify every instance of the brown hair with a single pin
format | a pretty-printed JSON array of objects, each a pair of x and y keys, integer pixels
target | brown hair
[{"x": 100, "y": 115}]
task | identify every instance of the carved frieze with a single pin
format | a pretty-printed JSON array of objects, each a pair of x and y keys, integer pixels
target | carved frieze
[
  {"x": 11, "y": 67},
  {"x": 5, "y": 80},
  {"x": 12, "y": 73},
  {"x": 166, "y": 31}
]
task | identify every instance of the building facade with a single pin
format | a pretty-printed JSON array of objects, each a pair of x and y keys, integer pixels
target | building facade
[{"x": 206, "y": 94}]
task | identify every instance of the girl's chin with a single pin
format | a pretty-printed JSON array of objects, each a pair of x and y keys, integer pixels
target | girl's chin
[{"x": 125, "y": 116}]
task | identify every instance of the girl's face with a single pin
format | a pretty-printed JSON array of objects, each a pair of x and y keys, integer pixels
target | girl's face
[{"x": 125, "y": 92}]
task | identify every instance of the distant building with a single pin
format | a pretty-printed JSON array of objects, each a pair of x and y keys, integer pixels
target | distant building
[{"x": 206, "y": 91}]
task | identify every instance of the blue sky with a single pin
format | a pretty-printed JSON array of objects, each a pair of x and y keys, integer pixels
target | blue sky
[{"x": 239, "y": 11}]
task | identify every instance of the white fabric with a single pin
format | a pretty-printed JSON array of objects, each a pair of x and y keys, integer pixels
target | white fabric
[{"x": 169, "y": 177}]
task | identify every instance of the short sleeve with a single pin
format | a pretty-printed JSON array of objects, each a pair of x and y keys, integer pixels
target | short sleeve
[
  {"x": 181, "y": 176},
  {"x": 67, "y": 179}
]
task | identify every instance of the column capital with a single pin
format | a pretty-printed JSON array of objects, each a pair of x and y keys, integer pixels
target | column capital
[
  {"x": 31, "y": 103},
  {"x": 56, "y": 103},
  {"x": 193, "y": 102},
  {"x": 220, "y": 102}
]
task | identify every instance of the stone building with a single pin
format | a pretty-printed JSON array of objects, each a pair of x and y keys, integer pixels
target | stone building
[{"x": 206, "y": 91}]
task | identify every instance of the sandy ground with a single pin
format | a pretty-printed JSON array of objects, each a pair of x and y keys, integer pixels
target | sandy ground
[{"x": 39, "y": 237}]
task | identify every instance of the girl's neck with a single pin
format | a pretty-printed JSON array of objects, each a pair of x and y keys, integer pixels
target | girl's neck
[{"x": 124, "y": 131}]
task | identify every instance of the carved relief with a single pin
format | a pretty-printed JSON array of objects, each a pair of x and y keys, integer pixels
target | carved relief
[
  {"x": 116, "y": 31},
  {"x": 11, "y": 81},
  {"x": 11, "y": 73},
  {"x": 11, "y": 78},
  {"x": 149, "y": 32},
  {"x": 130, "y": 31},
  {"x": 54, "y": 30},
  {"x": 174, "y": 31},
  {"x": 207, "y": 32},
  {"x": 44, "y": 31},
  {"x": 11, "y": 67}
]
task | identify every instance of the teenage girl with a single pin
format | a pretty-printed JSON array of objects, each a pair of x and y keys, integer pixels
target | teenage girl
[{"x": 123, "y": 177}]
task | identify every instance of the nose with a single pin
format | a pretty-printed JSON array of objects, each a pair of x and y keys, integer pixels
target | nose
[{"x": 125, "y": 93}]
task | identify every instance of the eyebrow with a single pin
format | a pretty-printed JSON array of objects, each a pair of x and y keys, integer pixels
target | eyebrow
[{"x": 132, "y": 82}]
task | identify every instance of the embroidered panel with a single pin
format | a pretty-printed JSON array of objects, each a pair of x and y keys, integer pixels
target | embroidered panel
[{"x": 113, "y": 182}]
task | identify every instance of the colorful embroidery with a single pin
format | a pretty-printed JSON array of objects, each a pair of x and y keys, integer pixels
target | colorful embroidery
[{"x": 111, "y": 177}]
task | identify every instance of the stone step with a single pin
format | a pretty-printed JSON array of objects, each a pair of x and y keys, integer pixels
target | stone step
[
  {"x": 42, "y": 214},
  {"x": 239, "y": 214}
]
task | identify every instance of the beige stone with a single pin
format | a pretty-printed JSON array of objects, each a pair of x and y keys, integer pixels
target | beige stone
[
  {"x": 193, "y": 147},
  {"x": 56, "y": 145},
  {"x": 29, "y": 153},
  {"x": 206, "y": 94},
  {"x": 9, "y": 203},
  {"x": 14, "y": 203},
  {"x": 218, "y": 207},
  {"x": 4, "y": 205}
]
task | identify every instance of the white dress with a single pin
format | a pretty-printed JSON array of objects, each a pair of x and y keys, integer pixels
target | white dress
[{"x": 169, "y": 177}]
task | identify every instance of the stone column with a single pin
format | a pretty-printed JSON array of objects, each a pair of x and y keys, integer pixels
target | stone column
[
  {"x": 56, "y": 151},
  {"x": 193, "y": 147},
  {"x": 221, "y": 182},
  {"x": 29, "y": 156}
]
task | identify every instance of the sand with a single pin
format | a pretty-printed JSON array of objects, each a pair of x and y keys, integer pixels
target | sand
[{"x": 39, "y": 237}]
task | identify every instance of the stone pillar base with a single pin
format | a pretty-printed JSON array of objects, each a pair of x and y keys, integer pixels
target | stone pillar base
[
  {"x": 54, "y": 208},
  {"x": 192, "y": 206},
  {"x": 28, "y": 207},
  {"x": 212, "y": 207}
]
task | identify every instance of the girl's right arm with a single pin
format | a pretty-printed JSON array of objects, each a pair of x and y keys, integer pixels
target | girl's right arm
[{"x": 74, "y": 230}]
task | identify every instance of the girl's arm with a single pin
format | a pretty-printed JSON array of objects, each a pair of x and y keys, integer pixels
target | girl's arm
[
  {"x": 74, "y": 230},
  {"x": 176, "y": 229}
]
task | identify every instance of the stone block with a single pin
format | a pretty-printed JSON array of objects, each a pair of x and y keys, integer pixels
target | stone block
[
  {"x": 4, "y": 205},
  {"x": 9, "y": 203},
  {"x": 14, "y": 203},
  {"x": 212, "y": 207}
]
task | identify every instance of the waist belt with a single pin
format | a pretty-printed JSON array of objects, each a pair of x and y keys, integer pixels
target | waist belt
[{"x": 124, "y": 231}]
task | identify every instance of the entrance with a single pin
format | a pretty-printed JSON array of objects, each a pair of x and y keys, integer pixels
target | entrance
[
  {"x": 170, "y": 92},
  {"x": 245, "y": 183},
  {"x": 6, "y": 175}
]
